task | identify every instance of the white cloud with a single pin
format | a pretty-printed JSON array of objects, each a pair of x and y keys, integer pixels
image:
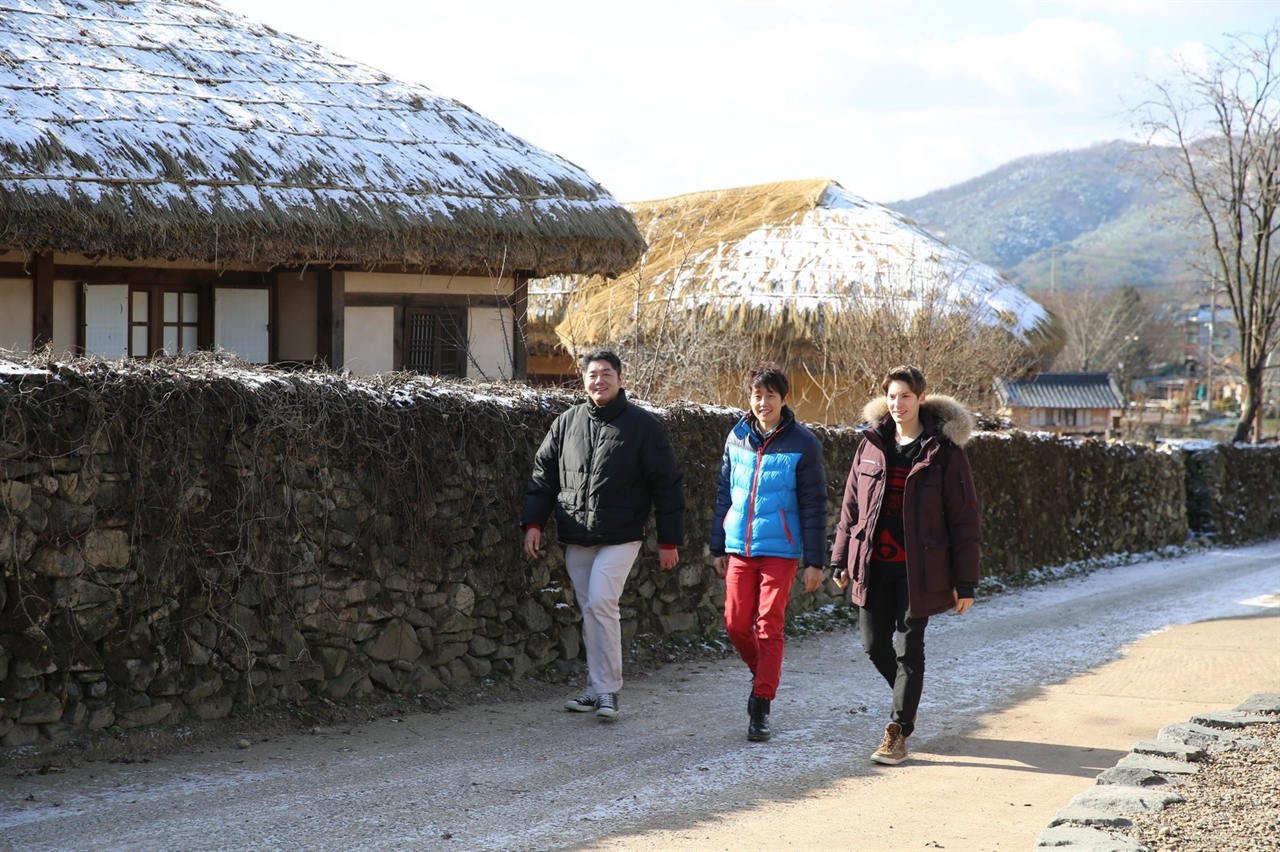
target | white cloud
[
  {"x": 1192, "y": 55},
  {"x": 1066, "y": 55},
  {"x": 892, "y": 99}
]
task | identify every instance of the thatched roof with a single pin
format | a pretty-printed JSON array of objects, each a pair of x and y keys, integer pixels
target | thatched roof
[
  {"x": 176, "y": 129},
  {"x": 783, "y": 257}
]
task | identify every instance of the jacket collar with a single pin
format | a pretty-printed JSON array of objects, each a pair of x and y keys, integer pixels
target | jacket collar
[
  {"x": 952, "y": 420},
  {"x": 886, "y": 428},
  {"x": 611, "y": 409},
  {"x": 881, "y": 433},
  {"x": 784, "y": 423}
]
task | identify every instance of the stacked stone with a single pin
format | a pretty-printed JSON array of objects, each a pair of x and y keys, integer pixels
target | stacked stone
[
  {"x": 1231, "y": 491},
  {"x": 1152, "y": 777},
  {"x": 1051, "y": 501},
  {"x": 268, "y": 569},
  {"x": 173, "y": 546}
]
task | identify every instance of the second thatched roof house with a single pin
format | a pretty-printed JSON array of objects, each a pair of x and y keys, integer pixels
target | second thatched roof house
[
  {"x": 174, "y": 176},
  {"x": 794, "y": 270}
]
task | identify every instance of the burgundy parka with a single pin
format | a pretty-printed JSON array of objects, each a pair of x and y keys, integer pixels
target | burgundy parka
[{"x": 941, "y": 522}]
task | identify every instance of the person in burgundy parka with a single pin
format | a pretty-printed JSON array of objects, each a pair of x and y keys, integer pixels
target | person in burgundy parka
[{"x": 909, "y": 535}]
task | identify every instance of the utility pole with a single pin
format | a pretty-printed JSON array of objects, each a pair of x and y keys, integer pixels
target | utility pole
[{"x": 1213, "y": 314}]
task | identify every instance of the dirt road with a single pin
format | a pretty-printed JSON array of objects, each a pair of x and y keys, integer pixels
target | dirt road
[{"x": 1027, "y": 698}]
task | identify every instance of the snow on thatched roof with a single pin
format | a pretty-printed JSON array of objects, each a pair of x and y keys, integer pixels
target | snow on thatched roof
[
  {"x": 756, "y": 258},
  {"x": 173, "y": 128}
]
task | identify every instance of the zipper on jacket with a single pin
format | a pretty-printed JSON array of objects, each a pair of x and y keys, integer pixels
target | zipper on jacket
[
  {"x": 755, "y": 481},
  {"x": 785, "y": 528},
  {"x": 592, "y": 435}
]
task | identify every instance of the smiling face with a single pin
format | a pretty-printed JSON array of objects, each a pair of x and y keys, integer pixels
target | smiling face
[
  {"x": 766, "y": 405},
  {"x": 904, "y": 408},
  {"x": 602, "y": 382}
]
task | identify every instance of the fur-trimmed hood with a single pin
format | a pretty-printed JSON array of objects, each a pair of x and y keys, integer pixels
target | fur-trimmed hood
[{"x": 954, "y": 420}]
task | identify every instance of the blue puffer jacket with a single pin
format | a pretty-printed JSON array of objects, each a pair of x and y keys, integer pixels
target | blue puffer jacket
[{"x": 772, "y": 499}]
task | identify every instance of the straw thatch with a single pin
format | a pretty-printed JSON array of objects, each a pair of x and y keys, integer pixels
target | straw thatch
[
  {"x": 176, "y": 129},
  {"x": 784, "y": 261}
]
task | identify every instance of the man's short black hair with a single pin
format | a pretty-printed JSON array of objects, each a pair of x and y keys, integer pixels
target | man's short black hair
[
  {"x": 607, "y": 355},
  {"x": 769, "y": 376}
]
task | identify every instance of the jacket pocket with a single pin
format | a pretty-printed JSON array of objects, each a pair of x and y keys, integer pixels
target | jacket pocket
[
  {"x": 936, "y": 555},
  {"x": 786, "y": 529},
  {"x": 856, "y": 543},
  {"x": 870, "y": 476}
]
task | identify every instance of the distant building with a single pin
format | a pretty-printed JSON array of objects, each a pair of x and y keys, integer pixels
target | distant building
[
  {"x": 176, "y": 177},
  {"x": 1062, "y": 403}
]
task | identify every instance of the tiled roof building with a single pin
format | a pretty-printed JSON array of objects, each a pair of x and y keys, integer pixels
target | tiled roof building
[{"x": 1063, "y": 403}]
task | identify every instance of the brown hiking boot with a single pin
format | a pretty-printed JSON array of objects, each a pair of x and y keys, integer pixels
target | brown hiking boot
[{"x": 893, "y": 750}]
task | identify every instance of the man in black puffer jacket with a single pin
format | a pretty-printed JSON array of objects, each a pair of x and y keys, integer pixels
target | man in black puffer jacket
[{"x": 601, "y": 467}]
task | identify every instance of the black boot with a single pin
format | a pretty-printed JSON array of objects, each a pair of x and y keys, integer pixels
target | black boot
[{"x": 758, "y": 728}]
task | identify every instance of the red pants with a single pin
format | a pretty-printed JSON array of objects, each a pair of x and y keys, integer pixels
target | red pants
[{"x": 756, "y": 592}]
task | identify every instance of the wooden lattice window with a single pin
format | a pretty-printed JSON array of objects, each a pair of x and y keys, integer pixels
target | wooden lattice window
[
  {"x": 435, "y": 341},
  {"x": 163, "y": 320}
]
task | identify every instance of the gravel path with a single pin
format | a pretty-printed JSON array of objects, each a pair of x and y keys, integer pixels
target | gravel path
[{"x": 1232, "y": 804}]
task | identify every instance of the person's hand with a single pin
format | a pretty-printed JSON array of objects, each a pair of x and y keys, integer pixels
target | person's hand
[
  {"x": 532, "y": 541},
  {"x": 668, "y": 557},
  {"x": 812, "y": 578},
  {"x": 722, "y": 565},
  {"x": 842, "y": 578},
  {"x": 962, "y": 604}
]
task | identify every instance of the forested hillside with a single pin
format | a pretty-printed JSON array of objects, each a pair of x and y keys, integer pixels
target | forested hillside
[{"x": 1096, "y": 217}]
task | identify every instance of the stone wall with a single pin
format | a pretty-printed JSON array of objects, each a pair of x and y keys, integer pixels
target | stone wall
[
  {"x": 1048, "y": 501},
  {"x": 1233, "y": 491},
  {"x": 181, "y": 538}
]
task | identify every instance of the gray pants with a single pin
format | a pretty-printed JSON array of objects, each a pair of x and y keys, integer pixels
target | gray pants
[{"x": 599, "y": 574}]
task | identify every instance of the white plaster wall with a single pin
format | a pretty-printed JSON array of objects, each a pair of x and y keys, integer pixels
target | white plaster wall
[
  {"x": 490, "y": 332},
  {"x": 296, "y": 316},
  {"x": 66, "y": 301},
  {"x": 389, "y": 282},
  {"x": 17, "y": 307},
  {"x": 369, "y": 340}
]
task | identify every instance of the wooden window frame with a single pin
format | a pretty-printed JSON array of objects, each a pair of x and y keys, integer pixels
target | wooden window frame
[
  {"x": 156, "y": 323},
  {"x": 157, "y": 281},
  {"x": 451, "y": 326}
]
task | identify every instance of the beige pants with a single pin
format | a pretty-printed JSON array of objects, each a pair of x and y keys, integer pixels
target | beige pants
[{"x": 598, "y": 575}]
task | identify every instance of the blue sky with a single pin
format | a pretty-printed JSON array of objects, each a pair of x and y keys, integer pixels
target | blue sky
[{"x": 891, "y": 99}]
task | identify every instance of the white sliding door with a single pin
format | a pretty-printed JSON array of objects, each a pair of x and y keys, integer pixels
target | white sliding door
[
  {"x": 106, "y": 320},
  {"x": 241, "y": 322}
]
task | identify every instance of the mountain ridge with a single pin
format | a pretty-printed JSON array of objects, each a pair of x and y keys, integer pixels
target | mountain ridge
[{"x": 1100, "y": 217}]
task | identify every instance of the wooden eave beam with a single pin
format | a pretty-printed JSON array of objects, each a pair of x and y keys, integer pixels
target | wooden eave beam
[{"x": 135, "y": 274}]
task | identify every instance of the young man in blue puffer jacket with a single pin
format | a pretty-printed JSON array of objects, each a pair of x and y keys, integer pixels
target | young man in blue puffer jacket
[{"x": 771, "y": 511}]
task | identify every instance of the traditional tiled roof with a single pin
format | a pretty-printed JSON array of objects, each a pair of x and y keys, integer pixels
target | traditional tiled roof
[
  {"x": 1061, "y": 390},
  {"x": 176, "y": 129}
]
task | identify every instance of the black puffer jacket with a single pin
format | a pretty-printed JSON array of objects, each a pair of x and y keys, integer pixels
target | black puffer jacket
[{"x": 601, "y": 469}]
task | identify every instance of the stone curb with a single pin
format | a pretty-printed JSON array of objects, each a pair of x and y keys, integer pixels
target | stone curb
[{"x": 1147, "y": 779}]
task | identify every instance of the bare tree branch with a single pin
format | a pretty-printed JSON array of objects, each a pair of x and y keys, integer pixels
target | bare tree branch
[{"x": 1222, "y": 126}]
